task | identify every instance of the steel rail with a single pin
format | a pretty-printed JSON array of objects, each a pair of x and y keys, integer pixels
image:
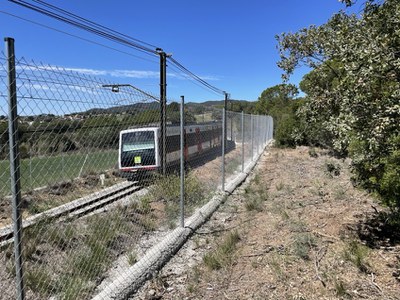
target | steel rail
[{"x": 75, "y": 208}]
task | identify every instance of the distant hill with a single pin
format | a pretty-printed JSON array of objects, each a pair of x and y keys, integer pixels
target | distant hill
[
  {"x": 212, "y": 104},
  {"x": 194, "y": 107},
  {"x": 131, "y": 108}
]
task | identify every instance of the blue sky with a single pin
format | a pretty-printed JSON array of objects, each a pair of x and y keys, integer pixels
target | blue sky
[{"x": 230, "y": 44}]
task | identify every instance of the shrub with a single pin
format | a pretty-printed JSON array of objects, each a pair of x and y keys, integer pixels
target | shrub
[{"x": 378, "y": 168}]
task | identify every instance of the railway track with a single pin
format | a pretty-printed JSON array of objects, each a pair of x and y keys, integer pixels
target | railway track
[{"x": 75, "y": 208}]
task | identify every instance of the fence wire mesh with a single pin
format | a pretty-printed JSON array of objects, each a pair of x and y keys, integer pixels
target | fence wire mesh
[{"x": 91, "y": 190}]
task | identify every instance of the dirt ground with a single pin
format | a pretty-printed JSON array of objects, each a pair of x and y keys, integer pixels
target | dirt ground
[{"x": 297, "y": 229}]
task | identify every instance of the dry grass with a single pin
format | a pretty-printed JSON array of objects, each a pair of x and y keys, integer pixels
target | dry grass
[{"x": 316, "y": 237}]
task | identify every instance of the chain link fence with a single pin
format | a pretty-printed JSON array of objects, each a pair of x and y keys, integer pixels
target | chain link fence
[{"x": 92, "y": 188}]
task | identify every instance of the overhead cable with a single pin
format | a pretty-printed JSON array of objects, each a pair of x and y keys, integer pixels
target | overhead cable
[
  {"x": 110, "y": 34},
  {"x": 75, "y": 21},
  {"x": 195, "y": 77},
  {"x": 77, "y": 37}
]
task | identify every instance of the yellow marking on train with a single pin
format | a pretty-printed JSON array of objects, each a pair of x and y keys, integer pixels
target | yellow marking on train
[{"x": 138, "y": 160}]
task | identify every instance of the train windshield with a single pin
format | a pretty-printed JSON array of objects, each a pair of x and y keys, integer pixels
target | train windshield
[{"x": 137, "y": 140}]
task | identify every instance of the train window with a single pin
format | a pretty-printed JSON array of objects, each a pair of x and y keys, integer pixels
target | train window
[{"x": 137, "y": 140}]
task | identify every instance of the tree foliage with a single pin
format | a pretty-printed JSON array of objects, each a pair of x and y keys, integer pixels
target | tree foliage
[
  {"x": 280, "y": 103},
  {"x": 174, "y": 114},
  {"x": 354, "y": 89}
]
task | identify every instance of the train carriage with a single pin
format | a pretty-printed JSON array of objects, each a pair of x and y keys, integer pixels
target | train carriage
[{"x": 139, "y": 148}]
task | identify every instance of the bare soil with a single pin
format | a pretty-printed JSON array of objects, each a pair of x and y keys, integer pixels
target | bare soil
[{"x": 304, "y": 233}]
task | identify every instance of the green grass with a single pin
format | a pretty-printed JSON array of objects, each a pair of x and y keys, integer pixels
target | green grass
[{"x": 44, "y": 171}]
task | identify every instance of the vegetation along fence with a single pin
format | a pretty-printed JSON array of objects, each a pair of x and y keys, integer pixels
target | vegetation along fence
[{"x": 87, "y": 176}]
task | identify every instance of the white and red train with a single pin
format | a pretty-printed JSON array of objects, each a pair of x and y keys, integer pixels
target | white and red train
[{"x": 139, "y": 148}]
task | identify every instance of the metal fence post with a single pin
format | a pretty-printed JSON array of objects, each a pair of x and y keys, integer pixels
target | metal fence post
[
  {"x": 231, "y": 114},
  {"x": 14, "y": 165},
  {"x": 242, "y": 141},
  {"x": 182, "y": 204},
  {"x": 258, "y": 134},
  {"x": 223, "y": 148},
  {"x": 252, "y": 136},
  {"x": 163, "y": 110}
]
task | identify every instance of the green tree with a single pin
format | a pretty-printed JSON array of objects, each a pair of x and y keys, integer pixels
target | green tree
[
  {"x": 174, "y": 114},
  {"x": 280, "y": 103},
  {"x": 354, "y": 89}
]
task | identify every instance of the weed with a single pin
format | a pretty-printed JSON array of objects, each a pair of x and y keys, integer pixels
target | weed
[
  {"x": 196, "y": 241},
  {"x": 10, "y": 267},
  {"x": 234, "y": 208},
  {"x": 275, "y": 265},
  {"x": 212, "y": 261},
  {"x": 332, "y": 169},
  {"x": 302, "y": 244},
  {"x": 254, "y": 203},
  {"x": 194, "y": 192},
  {"x": 72, "y": 287},
  {"x": 312, "y": 152},
  {"x": 340, "y": 288},
  {"x": 285, "y": 215},
  {"x": 39, "y": 280},
  {"x": 229, "y": 245},
  {"x": 61, "y": 237},
  {"x": 297, "y": 226},
  {"x": 223, "y": 255},
  {"x": 37, "y": 207},
  {"x": 339, "y": 193},
  {"x": 33, "y": 237},
  {"x": 145, "y": 206},
  {"x": 172, "y": 212},
  {"x": 132, "y": 258},
  {"x": 168, "y": 189},
  {"x": 89, "y": 262},
  {"x": 257, "y": 179},
  {"x": 30, "y": 248},
  {"x": 357, "y": 253},
  {"x": 148, "y": 224},
  {"x": 104, "y": 230},
  {"x": 248, "y": 189},
  {"x": 192, "y": 288},
  {"x": 279, "y": 186}
]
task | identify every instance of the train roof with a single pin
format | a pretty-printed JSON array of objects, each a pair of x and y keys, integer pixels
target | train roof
[{"x": 171, "y": 126}]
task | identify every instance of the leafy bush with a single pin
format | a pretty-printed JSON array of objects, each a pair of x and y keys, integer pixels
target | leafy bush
[
  {"x": 352, "y": 92},
  {"x": 379, "y": 171}
]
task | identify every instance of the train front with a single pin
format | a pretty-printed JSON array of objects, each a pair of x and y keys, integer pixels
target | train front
[{"x": 138, "y": 152}]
